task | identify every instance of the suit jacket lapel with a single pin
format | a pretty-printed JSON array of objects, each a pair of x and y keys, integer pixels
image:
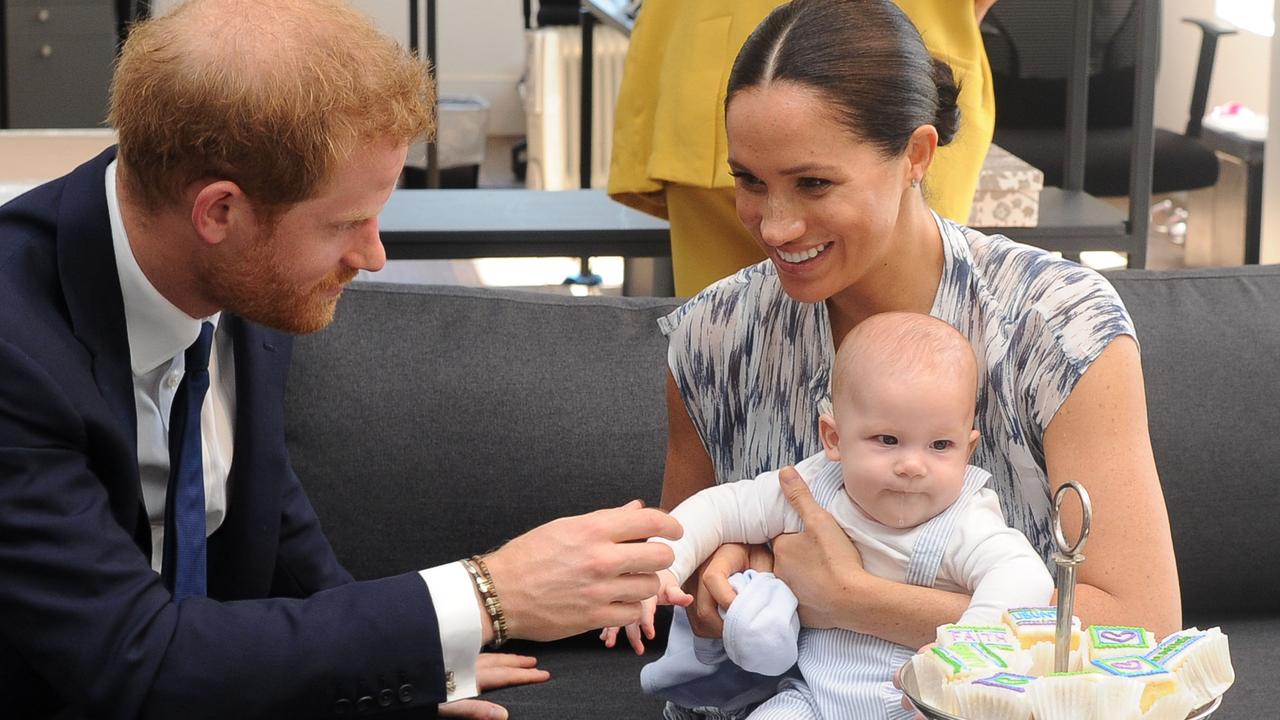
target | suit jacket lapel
[
  {"x": 91, "y": 287},
  {"x": 242, "y": 553}
]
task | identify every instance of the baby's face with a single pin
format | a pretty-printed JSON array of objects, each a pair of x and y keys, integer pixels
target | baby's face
[{"x": 904, "y": 446}]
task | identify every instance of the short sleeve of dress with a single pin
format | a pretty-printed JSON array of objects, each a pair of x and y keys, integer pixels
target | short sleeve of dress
[
  {"x": 1074, "y": 315},
  {"x": 750, "y": 364}
]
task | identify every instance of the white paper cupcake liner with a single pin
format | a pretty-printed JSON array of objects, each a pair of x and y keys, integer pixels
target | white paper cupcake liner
[
  {"x": 988, "y": 703},
  {"x": 1084, "y": 697}
]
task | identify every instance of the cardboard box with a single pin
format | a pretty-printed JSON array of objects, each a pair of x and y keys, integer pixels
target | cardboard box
[{"x": 1008, "y": 193}]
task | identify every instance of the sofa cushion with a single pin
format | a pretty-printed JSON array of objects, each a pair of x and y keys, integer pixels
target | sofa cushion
[
  {"x": 431, "y": 423},
  {"x": 1211, "y": 357},
  {"x": 587, "y": 681}
]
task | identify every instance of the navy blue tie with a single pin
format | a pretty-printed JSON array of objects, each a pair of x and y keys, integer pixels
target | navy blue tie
[{"x": 184, "y": 563}]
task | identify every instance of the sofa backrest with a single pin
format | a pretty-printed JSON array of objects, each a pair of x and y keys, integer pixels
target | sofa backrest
[
  {"x": 429, "y": 423},
  {"x": 1211, "y": 359}
]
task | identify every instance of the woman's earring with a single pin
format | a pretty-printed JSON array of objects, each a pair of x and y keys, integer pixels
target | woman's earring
[{"x": 915, "y": 183}]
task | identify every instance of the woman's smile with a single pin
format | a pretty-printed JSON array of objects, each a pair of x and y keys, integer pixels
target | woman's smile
[{"x": 802, "y": 256}]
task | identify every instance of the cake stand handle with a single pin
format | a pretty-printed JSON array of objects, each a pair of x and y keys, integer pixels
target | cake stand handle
[{"x": 1068, "y": 557}]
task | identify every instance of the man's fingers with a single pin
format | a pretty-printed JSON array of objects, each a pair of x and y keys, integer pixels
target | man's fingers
[
  {"x": 638, "y": 523},
  {"x": 622, "y": 614},
  {"x": 610, "y": 636},
  {"x": 473, "y": 710},
  {"x": 511, "y": 676},
  {"x": 629, "y": 588},
  {"x": 644, "y": 557},
  {"x": 498, "y": 670},
  {"x": 496, "y": 659}
]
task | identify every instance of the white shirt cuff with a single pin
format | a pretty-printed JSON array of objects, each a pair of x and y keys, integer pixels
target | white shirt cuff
[{"x": 458, "y": 616}]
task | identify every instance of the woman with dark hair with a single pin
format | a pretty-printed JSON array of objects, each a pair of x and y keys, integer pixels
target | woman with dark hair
[
  {"x": 834, "y": 111},
  {"x": 668, "y": 134}
]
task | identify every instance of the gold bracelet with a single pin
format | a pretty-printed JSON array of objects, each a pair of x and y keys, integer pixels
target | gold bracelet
[{"x": 489, "y": 596}]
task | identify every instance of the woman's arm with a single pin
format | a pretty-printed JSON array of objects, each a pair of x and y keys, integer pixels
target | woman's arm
[
  {"x": 689, "y": 467},
  {"x": 689, "y": 470},
  {"x": 1099, "y": 438}
]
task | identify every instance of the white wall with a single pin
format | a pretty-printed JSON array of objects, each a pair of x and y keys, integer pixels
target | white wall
[
  {"x": 480, "y": 46},
  {"x": 1239, "y": 74}
]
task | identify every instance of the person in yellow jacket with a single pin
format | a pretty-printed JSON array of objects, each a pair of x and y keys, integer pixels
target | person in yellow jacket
[{"x": 669, "y": 157}]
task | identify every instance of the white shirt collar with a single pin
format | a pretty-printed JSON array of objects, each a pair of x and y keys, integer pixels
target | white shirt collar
[{"x": 158, "y": 330}]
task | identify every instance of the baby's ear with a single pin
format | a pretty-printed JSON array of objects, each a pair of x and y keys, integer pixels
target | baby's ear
[
  {"x": 830, "y": 435},
  {"x": 973, "y": 442}
]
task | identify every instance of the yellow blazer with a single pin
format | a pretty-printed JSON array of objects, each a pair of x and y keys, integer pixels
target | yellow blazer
[{"x": 669, "y": 124}]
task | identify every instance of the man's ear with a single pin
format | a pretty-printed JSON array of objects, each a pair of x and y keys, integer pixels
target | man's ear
[
  {"x": 830, "y": 436},
  {"x": 920, "y": 151},
  {"x": 217, "y": 209},
  {"x": 973, "y": 442}
]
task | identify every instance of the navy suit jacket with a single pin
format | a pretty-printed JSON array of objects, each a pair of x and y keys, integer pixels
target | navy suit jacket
[{"x": 86, "y": 627}]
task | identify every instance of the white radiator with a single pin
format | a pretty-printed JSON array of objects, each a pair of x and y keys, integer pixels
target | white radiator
[{"x": 552, "y": 100}]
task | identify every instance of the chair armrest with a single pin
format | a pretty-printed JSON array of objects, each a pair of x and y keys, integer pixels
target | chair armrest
[
  {"x": 1211, "y": 27},
  {"x": 1210, "y": 31}
]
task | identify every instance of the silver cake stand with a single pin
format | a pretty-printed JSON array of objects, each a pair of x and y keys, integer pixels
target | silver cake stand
[{"x": 1068, "y": 558}]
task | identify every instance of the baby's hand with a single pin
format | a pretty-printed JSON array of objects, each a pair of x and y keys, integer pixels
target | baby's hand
[
  {"x": 669, "y": 593},
  {"x": 636, "y": 631}
]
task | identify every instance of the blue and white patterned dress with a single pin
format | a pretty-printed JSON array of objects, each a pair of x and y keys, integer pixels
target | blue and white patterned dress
[{"x": 753, "y": 364}]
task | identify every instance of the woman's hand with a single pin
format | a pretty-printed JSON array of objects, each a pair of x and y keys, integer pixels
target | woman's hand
[
  {"x": 493, "y": 671},
  {"x": 897, "y": 682},
  {"x": 820, "y": 564},
  {"x": 710, "y": 588}
]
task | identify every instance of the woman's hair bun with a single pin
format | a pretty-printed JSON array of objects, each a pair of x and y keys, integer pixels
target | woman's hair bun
[{"x": 947, "y": 119}]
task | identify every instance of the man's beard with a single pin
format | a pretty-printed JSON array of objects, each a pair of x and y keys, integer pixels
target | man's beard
[{"x": 250, "y": 284}]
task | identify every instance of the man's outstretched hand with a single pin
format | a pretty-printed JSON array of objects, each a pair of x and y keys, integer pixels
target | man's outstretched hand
[{"x": 579, "y": 573}]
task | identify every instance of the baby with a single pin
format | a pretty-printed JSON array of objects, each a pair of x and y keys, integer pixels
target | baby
[{"x": 893, "y": 473}]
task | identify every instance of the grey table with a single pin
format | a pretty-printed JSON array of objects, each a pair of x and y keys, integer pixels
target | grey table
[
  {"x": 1072, "y": 221},
  {"x": 452, "y": 224},
  {"x": 439, "y": 224},
  {"x": 458, "y": 224}
]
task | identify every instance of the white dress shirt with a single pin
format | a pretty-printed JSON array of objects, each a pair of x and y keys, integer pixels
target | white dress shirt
[{"x": 159, "y": 334}]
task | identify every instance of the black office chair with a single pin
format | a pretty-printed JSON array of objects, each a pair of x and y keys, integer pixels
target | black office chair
[{"x": 1030, "y": 55}]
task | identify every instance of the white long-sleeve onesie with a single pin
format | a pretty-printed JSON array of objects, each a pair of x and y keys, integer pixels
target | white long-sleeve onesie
[{"x": 983, "y": 557}]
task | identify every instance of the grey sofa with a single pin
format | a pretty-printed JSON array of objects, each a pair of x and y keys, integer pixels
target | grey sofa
[{"x": 429, "y": 423}]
